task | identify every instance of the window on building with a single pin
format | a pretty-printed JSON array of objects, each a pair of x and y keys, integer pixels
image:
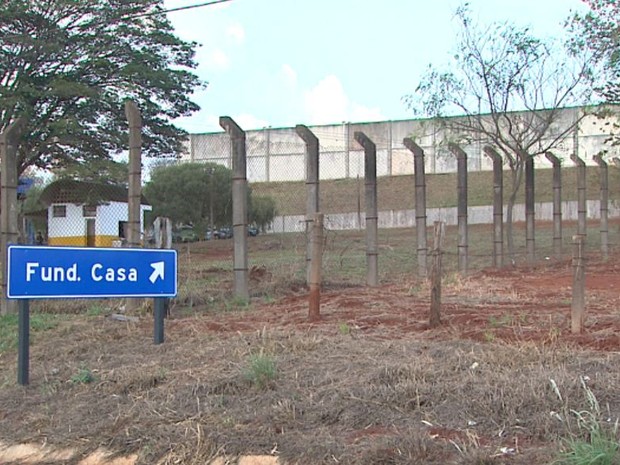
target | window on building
[
  {"x": 89, "y": 211},
  {"x": 59, "y": 211}
]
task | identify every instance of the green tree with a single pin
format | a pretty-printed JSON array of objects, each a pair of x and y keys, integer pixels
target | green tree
[
  {"x": 104, "y": 171},
  {"x": 262, "y": 211},
  {"x": 506, "y": 88},
  {"x": 598, "y": 30},
  {"x": 196, "y": 193},
  {"x": 67, "y": 67}
]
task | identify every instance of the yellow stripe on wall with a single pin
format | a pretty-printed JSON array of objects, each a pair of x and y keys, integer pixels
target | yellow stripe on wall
[{"x": 80, "y": 241}]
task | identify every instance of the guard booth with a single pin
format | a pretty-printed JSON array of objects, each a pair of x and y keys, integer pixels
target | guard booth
[{"x": 88, "y": 214}]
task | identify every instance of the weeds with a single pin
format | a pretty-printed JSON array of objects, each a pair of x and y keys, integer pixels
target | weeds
[
  {"x": 504, "y": 320},
  {"x": 344, "y": 329},
  {"x": 261, "y": 370},
  {"x": 8, "y": 328},
  {"x": 83, "y": 376},
  {"x": 593, "y": 444},
  {"x": 489, "y": 336},
  {"x": 236, "y": 303},
  {"x": 600, "y": 447},
  {"x": 96, "y": 309}
]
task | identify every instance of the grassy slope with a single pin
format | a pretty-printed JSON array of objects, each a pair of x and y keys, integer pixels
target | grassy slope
[{"x": 398, "y": 192}]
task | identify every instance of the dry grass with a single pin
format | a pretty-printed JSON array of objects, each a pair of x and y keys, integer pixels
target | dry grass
[
  {"x": 368, "y": 384},
  {"x": 356, "y": 400}
]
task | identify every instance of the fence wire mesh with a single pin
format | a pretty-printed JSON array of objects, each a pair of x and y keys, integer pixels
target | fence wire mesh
[
  {"x": 276, "y": 168},
  {"x": 90, "y": 214}
]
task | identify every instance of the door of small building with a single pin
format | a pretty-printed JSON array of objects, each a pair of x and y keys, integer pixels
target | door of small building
[{"x": 90, "y": 232}]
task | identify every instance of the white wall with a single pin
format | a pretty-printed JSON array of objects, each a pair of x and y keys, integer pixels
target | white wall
[
  {"x": 279, "y": 154},
  {"x": 106, "y": 224}
]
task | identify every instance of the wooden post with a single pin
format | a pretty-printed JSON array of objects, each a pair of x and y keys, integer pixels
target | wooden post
[
  {"x": 314, "y": 312},
  {"x": 578, "y": 303},
  {"x": 498, "y": 206},
  {"x": 162, "y": 229},
  {"x": 435, "y": 310},
  {"x": 557, "y": 204}
]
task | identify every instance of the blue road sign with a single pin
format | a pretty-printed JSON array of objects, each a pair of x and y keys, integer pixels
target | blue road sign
[{"x": 36, "y": 272}]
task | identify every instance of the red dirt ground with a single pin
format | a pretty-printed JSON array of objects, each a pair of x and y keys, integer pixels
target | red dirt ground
[{"x": 514, "y": 304}]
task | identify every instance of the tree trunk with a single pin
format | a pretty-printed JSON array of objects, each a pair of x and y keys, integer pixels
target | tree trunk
[{"x": 516, "y": 177}]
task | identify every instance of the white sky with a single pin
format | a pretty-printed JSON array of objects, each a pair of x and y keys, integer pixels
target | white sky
[{"x": 285, "y": 62}]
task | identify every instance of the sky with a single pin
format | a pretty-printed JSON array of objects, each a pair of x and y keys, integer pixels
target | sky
[{"x": 279, "y": 63}]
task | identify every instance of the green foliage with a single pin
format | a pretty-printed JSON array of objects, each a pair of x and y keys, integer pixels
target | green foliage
[
  {"x": 100, "y": 171},
  {"x": 68, "y": 67},
  {"x": 261, "y": 370},
  {"x": 186, "y": 192},
  {"x": 344, "y": 329},
  {"x": 594, "y": 443},
  {"x": 96, "y": 309},
  {"x": 600, "y": 448},
  {"x": 599, "y": 30},
  {"x": 39, "y": 322},
  {"x": 83, "y": 376},
  {"x": 190, "y": 192},
  {"x": 262, "y": 211}
]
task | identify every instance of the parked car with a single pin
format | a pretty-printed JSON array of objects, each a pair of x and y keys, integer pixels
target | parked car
[
  {"x": 184, "y": 235},
  {"x": 223, "y": 233},
  {"x": 252, "y": 231}
]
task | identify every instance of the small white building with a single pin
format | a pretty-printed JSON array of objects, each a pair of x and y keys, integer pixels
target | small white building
[{"x": 87, "y": 214}]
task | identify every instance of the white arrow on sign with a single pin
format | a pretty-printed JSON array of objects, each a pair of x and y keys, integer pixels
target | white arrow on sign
[{"x": 158, "y": 271}]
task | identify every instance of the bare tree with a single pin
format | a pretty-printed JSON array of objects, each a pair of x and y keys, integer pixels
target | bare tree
[{"x": 506, "y": 88}]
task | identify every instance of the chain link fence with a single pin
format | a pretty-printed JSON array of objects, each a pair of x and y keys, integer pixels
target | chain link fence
[
  {"x": 74, "y": 213},
  {"x": 276, "y": 167}
]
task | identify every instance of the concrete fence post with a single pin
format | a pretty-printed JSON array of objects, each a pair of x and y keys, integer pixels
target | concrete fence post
[
  {"x": 604, "y": 208},
  {"x": 530, "y": 233},
  {"x": 582, "y": 210},
  {"x": 557, "y": 204},
  {"x": 240, "y": 207},
  {"x": 420, "y": 203},
  {"x": 498, "y": 206},
  {"x": 9, "y": 141},
  {"x": 312, "y": 187},
  {"x": 135, "y": 173},
  {"x": 461, "y": 160},
  {"x": 372, "y": 216}
]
